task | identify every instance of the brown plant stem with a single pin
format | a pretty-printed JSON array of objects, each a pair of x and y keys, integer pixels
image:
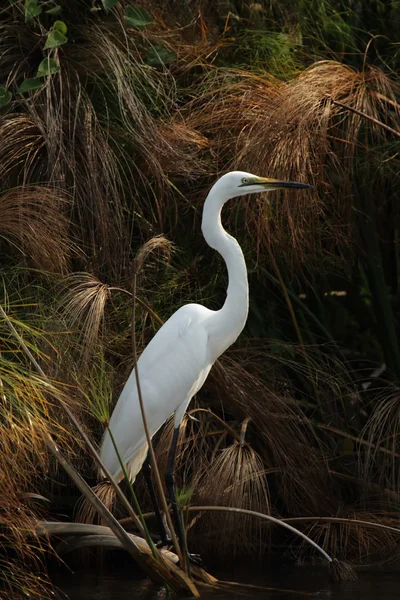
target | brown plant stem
[
  {"x": 82, "y": 529},
  {"x": 145, "y": 561},
  {"x": 154, "y": 465},
  {"x": 364, "y": 115},
  {"x": 253, "y": 513},
  {"x": 341, "y": 520},
  {"x": 225, "y": 425}
]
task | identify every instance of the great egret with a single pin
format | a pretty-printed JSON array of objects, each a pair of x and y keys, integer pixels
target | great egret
[{"x": 176, "y": 362}]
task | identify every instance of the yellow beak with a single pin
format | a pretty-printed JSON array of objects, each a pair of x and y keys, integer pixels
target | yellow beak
[{"x": 275, "y": 184}]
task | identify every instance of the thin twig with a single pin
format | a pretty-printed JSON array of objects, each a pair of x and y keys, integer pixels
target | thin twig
[
  {"x": 145, "y": 424},
  {"x": 253, "y": 513},
  {"x": 233, "y": 433},
  {"x": 364, "y": 115},
  {"x": 340, "y": 520}
]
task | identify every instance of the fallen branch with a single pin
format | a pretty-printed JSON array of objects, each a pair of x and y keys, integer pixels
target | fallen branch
[{"x": 104, "y": 536}]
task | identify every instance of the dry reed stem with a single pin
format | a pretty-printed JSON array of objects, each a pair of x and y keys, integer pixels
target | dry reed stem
[
  {"x": 146, "y": 429},
  {"x": 365, "y": 116},
  {"x": 259, "y": 515}
]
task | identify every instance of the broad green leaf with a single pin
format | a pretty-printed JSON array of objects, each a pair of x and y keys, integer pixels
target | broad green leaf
[
  {"x": 32, "y": 9},
  {"x": 109, "y": 4},
  {"x": 60, "y": 26},
  {"x": 55, "y": 39},
  {"x": 55, "y": 10},
  {"x": 5, "y": 96},
  {"x": 48, "y": 66},
  {"x": 159, "y": 55},
  {"x": 56, "y": 36},
  {"x": 137, "y": 17},
  {"x": 30, "y": 84}
]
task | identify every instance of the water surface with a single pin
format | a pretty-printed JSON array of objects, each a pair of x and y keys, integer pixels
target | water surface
[{"x": 290, "y": 583}]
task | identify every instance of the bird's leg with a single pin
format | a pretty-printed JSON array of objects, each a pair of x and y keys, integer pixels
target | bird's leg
[
  {"x": 171, "y": 493},
  {"x": 149, "y": 482},
  {"x": 195, "y": 559}
]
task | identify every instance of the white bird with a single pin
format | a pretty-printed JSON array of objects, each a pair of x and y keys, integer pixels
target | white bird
[{"x": 176, "y": 362}]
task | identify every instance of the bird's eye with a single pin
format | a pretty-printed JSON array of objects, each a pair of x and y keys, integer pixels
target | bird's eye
[{"x": 245, "y": 180}]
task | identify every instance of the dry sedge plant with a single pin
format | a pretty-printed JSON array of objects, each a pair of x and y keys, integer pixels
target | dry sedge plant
[
  {"x": 83, "y": 297},
  {"x": 33, "y": 220},
  {"x": 235, "y": 477},
  {"x": 82, "y": 308},
  {"x": 199, "y": 436},
  {"x": 382, "y": 432},
  {"x": 286, "y": 442},
  {"x": 28, "y": 417},
  {"x": 294, "y": 131},
  {"x": 358, "y": 535},
  {"x": 146, "y": 100},
  {"x": 23, "y": 149}
]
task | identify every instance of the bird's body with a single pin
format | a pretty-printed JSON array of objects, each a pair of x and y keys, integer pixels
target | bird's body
[
  {"x": 175, "y": 364},
  {"x": 172, "y": 368}
]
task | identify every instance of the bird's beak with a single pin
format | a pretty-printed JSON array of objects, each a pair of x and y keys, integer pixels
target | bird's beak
[{"x": 275, "y": 184}]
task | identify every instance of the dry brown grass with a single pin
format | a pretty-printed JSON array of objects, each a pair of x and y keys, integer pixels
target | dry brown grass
[
  {"x": 33, "y": 220},
  {"x": 293, "y": 131},
  {"x": 285, "y": 442},
  {"x": 83, "y": 306},
  {"x": 382, "y": 431},
  {"x": 357, "y": 542},
  {"x": 28, "y": 416},
  {"x": 235, "y": 477}
]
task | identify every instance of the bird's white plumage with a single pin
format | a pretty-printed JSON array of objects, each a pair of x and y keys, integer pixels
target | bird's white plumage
[
  {"x": 175, "y": 364},
  {"x": 172, "y": 368}
]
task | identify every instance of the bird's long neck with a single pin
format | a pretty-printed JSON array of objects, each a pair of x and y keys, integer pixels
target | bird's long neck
[{"x": 231, "y": 318}]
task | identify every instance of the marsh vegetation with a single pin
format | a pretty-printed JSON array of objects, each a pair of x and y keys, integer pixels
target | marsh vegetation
[{"x": 115, "y": 119}]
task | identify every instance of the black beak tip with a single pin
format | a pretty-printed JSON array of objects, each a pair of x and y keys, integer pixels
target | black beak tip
[{"x": 302, "y": 186}]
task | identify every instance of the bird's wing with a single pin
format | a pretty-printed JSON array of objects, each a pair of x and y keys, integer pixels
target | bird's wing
[
  {"x": 174, "y": 330},
  {"x": 171, "y": 369}
]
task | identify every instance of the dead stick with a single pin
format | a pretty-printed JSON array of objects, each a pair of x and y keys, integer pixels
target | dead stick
[
  {"x": 364, "y": 115},
  {"x": 145, "y": 424}
]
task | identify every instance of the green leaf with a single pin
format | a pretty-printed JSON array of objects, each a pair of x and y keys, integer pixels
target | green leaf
[
  {"x": 159, "y": 55},
  {"x": 30, "y": 84},
  {"x": 55, "y": 10},
  {"x": 55, "y": 39},
  {"x": 109, "y": 4},
  {"x": 60, "y": 26},
  {"x": 32, "y": 9},
  {"x": 56, "y": 36},
  {"x": 48, "y": 66},
  {"x": 137, "y": 17},
  {"x": 5, "y": 96}
]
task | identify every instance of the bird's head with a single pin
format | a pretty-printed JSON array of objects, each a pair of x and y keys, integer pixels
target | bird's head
[{"x": 240, "y": 183}]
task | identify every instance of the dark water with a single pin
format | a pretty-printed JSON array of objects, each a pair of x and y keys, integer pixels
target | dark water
[{"x": 289, "y": 583}]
